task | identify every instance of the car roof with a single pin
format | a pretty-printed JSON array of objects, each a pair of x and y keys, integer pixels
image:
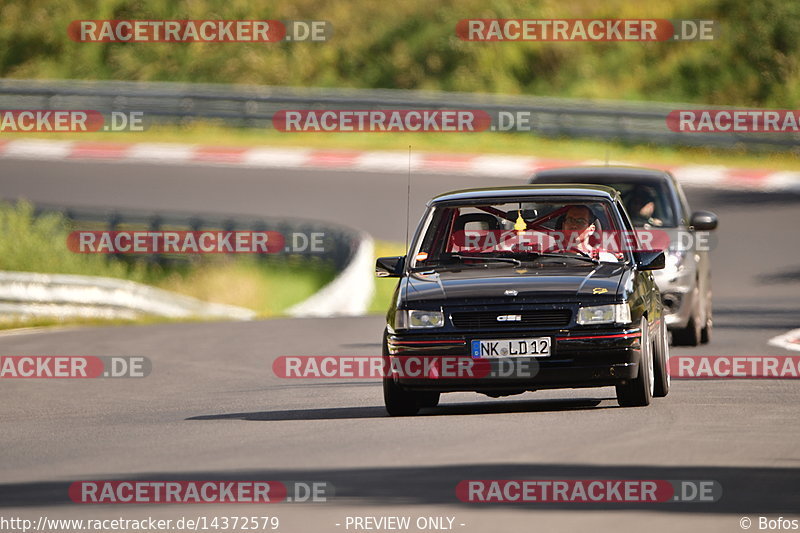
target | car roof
[
  {"x": 601, "y": 174},
  {"x": 600, "y": 192}
]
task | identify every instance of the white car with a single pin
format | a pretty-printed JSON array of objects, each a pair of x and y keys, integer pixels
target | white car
[{"x": 655, "y": 200}]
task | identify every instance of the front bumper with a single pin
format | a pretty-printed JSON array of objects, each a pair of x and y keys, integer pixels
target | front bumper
[
  {"x": 586, "y": 358},
  {"x": 678, "y": 295},
  {"x": 678, "y": 307}
]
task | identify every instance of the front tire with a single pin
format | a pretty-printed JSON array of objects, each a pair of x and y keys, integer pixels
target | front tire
[
  {"x": 705, "y": 333},
  {"x": 688, "y": 336},
  {"x": 429, "y": 399},
  {"x": 638, "y": 392},
  {"x": 691, "y": 334},
  {"x": 399, "y": 402}
]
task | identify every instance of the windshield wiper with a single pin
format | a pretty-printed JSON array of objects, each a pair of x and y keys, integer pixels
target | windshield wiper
[
  {"x": 579, "y": 254},
  {"x": 511, "y": 260}
]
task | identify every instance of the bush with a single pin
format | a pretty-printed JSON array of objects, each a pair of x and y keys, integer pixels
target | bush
[{"x": 412, "y": 45}]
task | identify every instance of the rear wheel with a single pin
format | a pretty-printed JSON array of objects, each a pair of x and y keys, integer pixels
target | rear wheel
[
  {"x": 661, "y": 363},
  {"x": 638, "y": 392}
]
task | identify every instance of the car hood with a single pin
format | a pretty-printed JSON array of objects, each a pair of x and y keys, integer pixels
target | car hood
[{"x": 566, "y": 283}]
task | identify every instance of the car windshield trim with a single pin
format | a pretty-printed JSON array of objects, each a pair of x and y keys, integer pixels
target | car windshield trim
[{"x": 534, "y": 256}]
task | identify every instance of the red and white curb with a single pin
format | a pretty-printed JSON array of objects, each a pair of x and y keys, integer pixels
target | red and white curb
[{"x": 499, "y": 166}]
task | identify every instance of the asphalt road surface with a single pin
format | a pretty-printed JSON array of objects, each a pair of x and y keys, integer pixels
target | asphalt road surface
[{"x": 213, "y": 410}]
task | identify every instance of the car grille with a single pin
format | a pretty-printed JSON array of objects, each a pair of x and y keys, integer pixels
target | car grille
[{"x": 488, "y": 319}]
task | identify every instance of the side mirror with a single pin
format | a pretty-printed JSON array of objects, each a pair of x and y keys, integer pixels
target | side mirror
[
  {"x": 650, "y": 260},
  {"x": 703, "y": 220},
  {"x": 390, "y": 267}
]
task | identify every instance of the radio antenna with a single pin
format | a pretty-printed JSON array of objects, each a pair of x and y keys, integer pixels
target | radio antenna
[{"x": 408, "y": 197}]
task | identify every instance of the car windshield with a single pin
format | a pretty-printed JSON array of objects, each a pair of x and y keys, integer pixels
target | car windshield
[
  {"x": 502, "y": 233},
  {"x": 647, "y": 202}
]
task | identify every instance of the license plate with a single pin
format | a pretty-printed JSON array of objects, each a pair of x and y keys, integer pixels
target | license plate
[{"x": 533, "y": 347}]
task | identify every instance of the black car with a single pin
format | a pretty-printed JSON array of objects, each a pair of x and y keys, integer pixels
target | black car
[
  {"x": 655, "y": 200},
  {"x": 507, "y": 275}
]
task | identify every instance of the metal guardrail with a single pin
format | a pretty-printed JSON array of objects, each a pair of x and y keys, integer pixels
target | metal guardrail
[
  {"x": 29, "y": 294},
  {"x": 254, "y": 106},
  {"x": 338, "y": 244},
  {"x": 350, "y": 253}
]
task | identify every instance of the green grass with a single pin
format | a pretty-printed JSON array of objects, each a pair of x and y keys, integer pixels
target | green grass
[
  {"x": 268, "y": 289},
  {"x": 38, "y": 244},
  {"x": 384, "y": 287}
]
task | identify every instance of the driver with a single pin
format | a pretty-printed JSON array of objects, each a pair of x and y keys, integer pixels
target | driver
[
  {"x": 642, "y": 207},
  {"x": 578, "y": 225}
]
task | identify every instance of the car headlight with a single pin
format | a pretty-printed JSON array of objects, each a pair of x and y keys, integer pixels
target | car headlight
[
  {"x": 416, "y": 319},
  {"x": 674, "y": 260},
  {"x": 604, "y": 314}
]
